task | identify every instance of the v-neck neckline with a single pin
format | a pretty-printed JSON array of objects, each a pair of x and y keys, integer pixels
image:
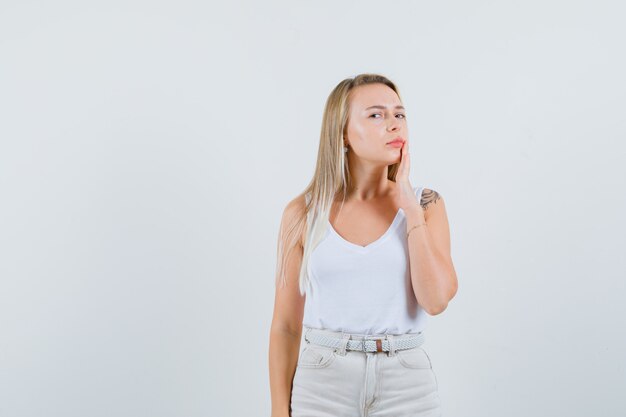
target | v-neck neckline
[{"x": 373, "y": 244}]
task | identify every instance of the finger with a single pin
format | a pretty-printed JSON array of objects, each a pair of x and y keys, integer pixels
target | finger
[
  {"x": 405, "y": 160},
  {"x": 408, "y": 156},
  {"x": 402, "y": 167}
]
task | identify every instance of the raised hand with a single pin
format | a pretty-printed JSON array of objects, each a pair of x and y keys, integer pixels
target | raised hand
[{"x": 406, "y": 196}]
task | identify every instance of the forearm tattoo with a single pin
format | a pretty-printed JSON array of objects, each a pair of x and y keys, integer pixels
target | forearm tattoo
[{"x": 429, "y": 197}]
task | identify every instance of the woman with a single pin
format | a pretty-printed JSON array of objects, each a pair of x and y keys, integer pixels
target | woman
[{"x": 363, "y": 258}]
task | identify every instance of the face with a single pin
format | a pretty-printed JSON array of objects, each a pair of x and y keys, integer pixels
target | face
[{"x": 373, "y": 122}]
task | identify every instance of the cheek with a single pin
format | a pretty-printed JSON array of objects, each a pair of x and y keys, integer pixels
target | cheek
[{"x": 367, "y": 132}]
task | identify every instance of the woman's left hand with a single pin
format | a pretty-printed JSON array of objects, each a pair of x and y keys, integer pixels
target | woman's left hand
[{"x": 406, "y": 197}]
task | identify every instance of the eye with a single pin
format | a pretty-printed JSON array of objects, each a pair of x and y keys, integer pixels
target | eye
[{"x": 399, "y": 114}]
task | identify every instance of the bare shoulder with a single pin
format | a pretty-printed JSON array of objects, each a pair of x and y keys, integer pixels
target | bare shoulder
[
  {"x": 429, "y": 198},
  {"x": 294, "y": 210},
  {"x": 296, "y": 206},
  {"x": 432, "y": 203}
]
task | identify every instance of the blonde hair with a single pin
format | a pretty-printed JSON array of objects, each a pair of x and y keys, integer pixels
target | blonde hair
[{"x": 332, "y": 176}]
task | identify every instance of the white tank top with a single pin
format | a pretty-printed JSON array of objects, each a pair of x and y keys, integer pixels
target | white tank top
[{"x": 363, "y": 290}]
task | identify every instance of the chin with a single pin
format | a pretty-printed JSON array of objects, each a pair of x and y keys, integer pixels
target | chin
[{"x": 394, "y": 161}]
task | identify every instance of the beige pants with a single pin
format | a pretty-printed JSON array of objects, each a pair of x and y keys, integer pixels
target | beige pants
[{"x": 334, "y": 382}]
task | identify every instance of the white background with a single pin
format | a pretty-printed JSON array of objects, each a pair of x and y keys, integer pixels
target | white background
[{"x": 147, "y": 150}]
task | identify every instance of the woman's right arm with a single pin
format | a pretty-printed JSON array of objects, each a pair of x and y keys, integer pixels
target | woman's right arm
[{"x": 286, "y": 329}]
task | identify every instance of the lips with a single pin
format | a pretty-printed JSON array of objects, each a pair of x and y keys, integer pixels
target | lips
[{"x": 396, "y": 140}]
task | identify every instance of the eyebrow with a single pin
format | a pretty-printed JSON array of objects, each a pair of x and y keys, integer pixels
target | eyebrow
[{"x": 383, "y": 107}]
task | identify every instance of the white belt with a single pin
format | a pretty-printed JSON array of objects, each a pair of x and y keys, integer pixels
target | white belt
[{"x": 365, "y": 345}]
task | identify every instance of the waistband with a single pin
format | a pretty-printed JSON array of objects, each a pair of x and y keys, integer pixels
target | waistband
[{"x": 343, "y": 341}]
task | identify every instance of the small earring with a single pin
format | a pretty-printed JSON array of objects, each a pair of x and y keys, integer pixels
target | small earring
[{"x": 345, "y": 149}]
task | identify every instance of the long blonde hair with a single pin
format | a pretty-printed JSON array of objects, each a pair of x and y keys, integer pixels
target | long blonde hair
[{"x": 332, "y": 176}]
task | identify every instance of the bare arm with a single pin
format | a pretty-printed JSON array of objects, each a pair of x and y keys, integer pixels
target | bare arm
[
  {"x": 286, "y": 329},
  {"x": 432, "y": 272}
]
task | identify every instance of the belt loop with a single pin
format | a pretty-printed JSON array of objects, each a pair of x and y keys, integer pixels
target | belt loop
[
  {"x": 392, "y": 346},
  {"x": 345, "y": 337}
]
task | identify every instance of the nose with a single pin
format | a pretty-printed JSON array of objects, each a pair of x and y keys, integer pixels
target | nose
[{"x": 393, "y": 125}]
